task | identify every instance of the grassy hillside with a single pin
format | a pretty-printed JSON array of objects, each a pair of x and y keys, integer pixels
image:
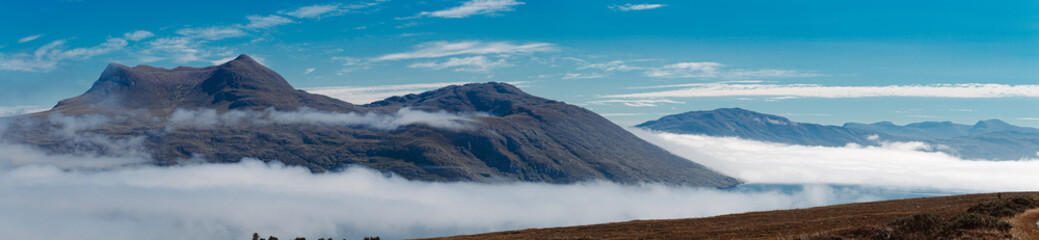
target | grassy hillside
[{"x": 830, "y": 222}]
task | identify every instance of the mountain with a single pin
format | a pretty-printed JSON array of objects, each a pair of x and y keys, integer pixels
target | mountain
[
  {"x": 736, "y": 122},
  {"x": 988, "y": 139},
  {"x": 943, "y": 217},
  {"x": 942, "y": 129},
  {"x": 512, "y": 135},
  {"x": 238, "y": 84}
]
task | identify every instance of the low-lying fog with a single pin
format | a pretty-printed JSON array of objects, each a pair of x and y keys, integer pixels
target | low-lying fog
[{"x": 57, "y": 196}]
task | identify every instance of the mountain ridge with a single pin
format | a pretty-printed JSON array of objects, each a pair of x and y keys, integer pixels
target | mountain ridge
[
  {"x": 990, "y": 139},
  {"x": 524, "y": 137}
]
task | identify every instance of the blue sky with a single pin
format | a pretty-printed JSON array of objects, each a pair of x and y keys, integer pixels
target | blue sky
[{"x": 816, "y": 61}]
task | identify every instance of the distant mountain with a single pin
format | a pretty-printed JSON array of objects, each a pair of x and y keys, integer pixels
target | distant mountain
[
  {"x": 736, "y": 122},
  {"x": 513, "y": 136},
  {"x": 942, "y": 129},
  {"x": 989, "y": 139}
]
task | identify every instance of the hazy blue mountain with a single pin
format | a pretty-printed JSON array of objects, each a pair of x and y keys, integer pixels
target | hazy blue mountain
[
  {"x": 989, "y": 139},
  {"x": 742, "y": 123},
  {"x": 942, "y": 129}
]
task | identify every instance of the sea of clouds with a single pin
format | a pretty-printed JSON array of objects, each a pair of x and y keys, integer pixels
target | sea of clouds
[{"x": 117, "y": 195}]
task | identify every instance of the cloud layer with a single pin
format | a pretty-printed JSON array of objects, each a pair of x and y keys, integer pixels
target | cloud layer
[
  {"x": 902, "y": 164},
  {"x": 372, "y": 120},
  {"x": 231, "y": 201}
]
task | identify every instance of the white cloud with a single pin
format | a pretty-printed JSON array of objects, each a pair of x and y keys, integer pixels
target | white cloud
[
  {"x": 308, "y": 71},
  {"x": 313, "y": 11},
  {"x": 584, "y": 75},
  {"x": 326, "y": 10},
  {"x": 637, "y": 103},
  {"x": 363, "y": 95},
  {"x": 368, "y": 94},
  {"x": 179, "y": 49},
  {"x": 372, "y": 120},
  {"x": 444, "y": 49},
  {"x": 19, "y": 110},
  {"x": 718, "y": 70},
  {"x": 966, "y": 90},
  {"x": 635, "y": 7},
  {"x": 211, "y": 33},
  {"x": 231, "y": 201},
  {"x": 262, "y": 22},
  {"x": 901, "y": 164},
  {"x": 619, "y": 114},
  {"x": 48, "y": 56},
  {"x": 138, "y": 35},
  {"x": 29, "y": 38},
  {"x": 686, "y": 70},
  {"x": 351, "y": 64},
  {"x": 611, "y": 66},
  {"x": 475, "y": 7},
  {"x": 466, "y": 64}
]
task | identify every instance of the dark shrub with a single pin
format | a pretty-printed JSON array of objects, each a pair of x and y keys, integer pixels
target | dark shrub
[
  {"x": 1005, "y": 207},
  {"x": 974, "y": 221},
  {"x": 926, "y": 223}
]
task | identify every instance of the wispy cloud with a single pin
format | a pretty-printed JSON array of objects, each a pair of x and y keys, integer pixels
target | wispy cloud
[
  {"x": 367, "y": 94},
  {"x": 313, "y": 11},
  {"x": 611, "y": 66},
  {"x": 29, "y": 38},
  {"x": 584, "y": 75},
  {"x": 966, "y": 90},
  {"x": 211, "y": 33},
  {"x": 46, "y": 57},
  {"x": 475, "y": 7},
  {"x": 327, "y": 10},
  {"x": 19, "y": 110},
  {"x": 718, "y": 70},
  {"x": 379, "y": 121},
  {"x": 138, "y": 35},
  {"x": 444, "y": 49},
  {"x": 179, "y": 49},
  {"x": 465, "y": 64},
  {"x": 637, "y": 103},
  {"x": 351, "y": 64},
  {"x": 262, "y": 22},
  {"x": 308, "y": 71},
  {"x": 635, "y": 7}
]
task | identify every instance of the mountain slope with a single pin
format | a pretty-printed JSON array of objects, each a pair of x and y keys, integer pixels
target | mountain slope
[
  {"x": 736, "y": 122},
  {"x": 828, "y": 222},
  {"x": 509, "y": 135}
]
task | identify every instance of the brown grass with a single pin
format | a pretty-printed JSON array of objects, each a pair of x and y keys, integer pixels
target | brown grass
[
  {"x": 783, "y": 224},
  {"x": 1025, "y": 225}
]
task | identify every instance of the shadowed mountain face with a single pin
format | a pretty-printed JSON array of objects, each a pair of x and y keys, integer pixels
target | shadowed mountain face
[
  {"x": 989, "y": 139},
  {"x": 238, "y": 84},
  {"x": 509, "y": 135}
]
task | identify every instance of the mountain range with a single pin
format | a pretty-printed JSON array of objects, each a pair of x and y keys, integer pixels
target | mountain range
[
  {"x": 989, "y": 139},
  {"x": 241, "y": 109}
]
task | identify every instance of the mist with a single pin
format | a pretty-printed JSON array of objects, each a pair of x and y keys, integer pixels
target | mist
[
  {"x": 231, "y": 201},
  {"x": 901, "y": 164},
  {"x": 372, "y": 120},
  {"x": 105, "y": 188},
  {"x": 116, "y": 194}
]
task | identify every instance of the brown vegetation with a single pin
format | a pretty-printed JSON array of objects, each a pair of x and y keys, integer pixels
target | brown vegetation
[{"x": 839, "y": 221}]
